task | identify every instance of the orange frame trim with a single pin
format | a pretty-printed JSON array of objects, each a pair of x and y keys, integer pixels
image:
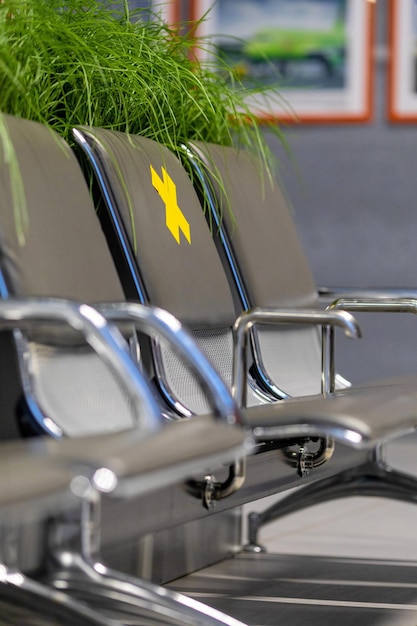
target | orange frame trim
[
  {"x": 175, "y": 14},
  {"x": 393, "y": 62},
  {"x": 172, "y": 11},
  {"x": 365, "y": 115}
]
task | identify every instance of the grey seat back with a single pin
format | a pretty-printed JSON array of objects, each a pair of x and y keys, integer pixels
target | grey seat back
[
  {"x": 164, "y": 252},
  {"x": 64, "y": 255},
  {"x": 270, "y": 267}
]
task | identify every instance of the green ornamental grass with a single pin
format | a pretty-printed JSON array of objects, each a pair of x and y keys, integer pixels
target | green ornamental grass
[{"x": 69, "y": 62}]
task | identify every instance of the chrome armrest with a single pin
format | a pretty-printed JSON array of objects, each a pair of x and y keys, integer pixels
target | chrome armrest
[
  {"x": 125, "y": 465},
  {"x": 153, "y": 320},
  {"x": 329, "y": 294},
  {"x": 104, "y": 339},
  {"x": 375, "y": 305},
  {"x": 248, "y": 319},
  {"x": 379, "y": 304},
  {"x": 44, "y": 479},
  {"x": 33, "y": 485}
]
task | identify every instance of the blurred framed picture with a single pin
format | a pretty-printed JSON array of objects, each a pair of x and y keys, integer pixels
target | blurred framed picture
[
  {"x": 402, "y": 83},
  {"x": 168, "y": 10},
  {"x": 313, "y": 58}
]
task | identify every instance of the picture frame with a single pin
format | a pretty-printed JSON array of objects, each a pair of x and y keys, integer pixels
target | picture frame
[
  {"x": 402, "y": 67},
  {"x": 168, "y": 10},
  {"x": 318, "y": 53}
]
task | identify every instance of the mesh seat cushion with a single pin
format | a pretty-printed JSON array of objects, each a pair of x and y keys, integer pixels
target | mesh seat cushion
[
  {"x": 217, "y": 344},
  {"x": 78, "y": 391},
  {"x": 291, "y": 358}
]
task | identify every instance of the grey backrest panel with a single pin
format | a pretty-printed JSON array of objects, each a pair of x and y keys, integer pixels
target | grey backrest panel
[
  {"x": 64, "y": 254},
  {"x": 180, "y": 268},
  {"x": 183, "y": 275},
  {"x": 261, "y": 230},
  {"x": 217, "y": 345},
  {"x": 292, "y": 358}
]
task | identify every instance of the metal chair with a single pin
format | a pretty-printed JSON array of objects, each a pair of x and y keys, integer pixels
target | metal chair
[
  {"x": 44, "y": 267},
  {"x": 260, "y": 249},
  {"x": 165, "y": 256},
  {"x": 77, "y": 374},
  {"x": 259, "y": 246},
  {"x": 140, "y": 189},
  {"x": 61, "y": 481}
]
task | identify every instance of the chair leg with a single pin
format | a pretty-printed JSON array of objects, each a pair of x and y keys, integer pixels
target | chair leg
[
  {"x": 123, "y": 596},
  {"x": 77, "y": 570},
  {"x": 30, "y": 595},
  {"x": 371, "y": 478}
]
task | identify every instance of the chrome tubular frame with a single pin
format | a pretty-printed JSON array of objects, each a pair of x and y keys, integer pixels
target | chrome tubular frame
[
  {"x": 374, "y": 477},
  {"x": 166, "y": 326},
  {"x": 103, "y": 339},
  {"x": 11, "y": 576},
  {"x": 21, "y": 463},
  {"x": 382, "y": 304},
  {"x": 248, "y": 319},
  {"x": 100, "y": 582},
  {"x": 154, "y": 320},
  {"x": 84, "y": 469},
  {"x": 331, "y": 294},
  {"x": 369, "y": 304},
  {"x": 305, "y": 459}
]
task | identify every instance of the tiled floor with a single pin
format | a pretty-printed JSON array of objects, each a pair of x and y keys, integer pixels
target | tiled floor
[{"x": 350, "y": 562}]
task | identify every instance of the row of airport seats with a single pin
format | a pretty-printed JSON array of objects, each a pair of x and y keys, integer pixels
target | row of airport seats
[
  {"x": 262, "y": 280},
  {"x": 175, "y": 368}
]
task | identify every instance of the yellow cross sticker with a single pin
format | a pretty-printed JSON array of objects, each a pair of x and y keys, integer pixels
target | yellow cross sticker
[{"x": 175, "y": 219}]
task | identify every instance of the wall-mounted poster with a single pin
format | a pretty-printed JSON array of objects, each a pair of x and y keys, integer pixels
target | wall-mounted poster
[
  {"x": 316, "y": 53},
  {"x": 402, "y": 84}
]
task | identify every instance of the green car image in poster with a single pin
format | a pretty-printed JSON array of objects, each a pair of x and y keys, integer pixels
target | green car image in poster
[{"x": 301, "y": 43}]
